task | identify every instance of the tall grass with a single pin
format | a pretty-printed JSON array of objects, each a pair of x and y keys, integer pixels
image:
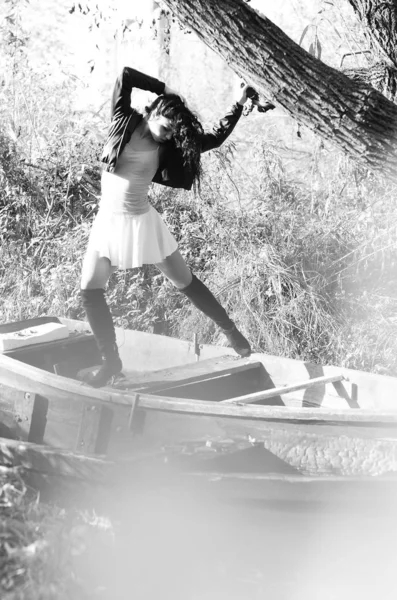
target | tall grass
[{"x": 308, "y": 274}]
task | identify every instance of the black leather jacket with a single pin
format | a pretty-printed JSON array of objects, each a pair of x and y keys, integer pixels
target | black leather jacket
[{"x": 171, "y": 171}]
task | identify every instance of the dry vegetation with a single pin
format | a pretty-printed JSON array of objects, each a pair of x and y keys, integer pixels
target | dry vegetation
[
  {"x": 45, "y": 550},
  {"x": 307, "y": 275}
]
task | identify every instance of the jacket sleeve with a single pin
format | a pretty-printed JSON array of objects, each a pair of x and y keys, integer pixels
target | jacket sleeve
[
  {"x": 222, "y": 131},
  {"x": 127, "y": 80}
]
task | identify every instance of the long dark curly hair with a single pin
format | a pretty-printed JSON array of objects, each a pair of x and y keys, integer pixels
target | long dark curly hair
[{"x": 187, "y": 131}]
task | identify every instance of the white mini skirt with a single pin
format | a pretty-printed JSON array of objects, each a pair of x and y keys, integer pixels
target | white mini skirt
[{"x": 130, "y": 241}]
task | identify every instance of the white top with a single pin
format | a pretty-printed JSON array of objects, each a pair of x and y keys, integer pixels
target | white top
[{"x": 126, "y": 190}]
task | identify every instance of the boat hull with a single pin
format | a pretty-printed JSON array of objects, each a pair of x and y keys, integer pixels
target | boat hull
[{"x": 185, "y": 409}]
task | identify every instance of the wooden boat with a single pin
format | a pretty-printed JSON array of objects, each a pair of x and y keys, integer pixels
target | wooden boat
[{"x": 262, "y": 423}]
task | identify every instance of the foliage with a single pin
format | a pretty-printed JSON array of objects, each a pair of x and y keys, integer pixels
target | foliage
[
  {"x": 45, "y": 550},
  {"x": 309, "y": 276}
]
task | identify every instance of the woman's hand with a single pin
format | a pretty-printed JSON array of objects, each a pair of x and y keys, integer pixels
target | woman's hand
[
  {"x": 249, "y": 94},
  {"x": 243, "y": 97}
]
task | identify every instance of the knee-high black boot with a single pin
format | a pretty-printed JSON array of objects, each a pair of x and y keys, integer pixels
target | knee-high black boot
[
  {"x": 101, "y": 323},
  {"x": 204, "y": 300}
]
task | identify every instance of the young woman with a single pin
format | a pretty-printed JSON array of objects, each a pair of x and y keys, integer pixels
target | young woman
[{"x": 164, "y": 145}]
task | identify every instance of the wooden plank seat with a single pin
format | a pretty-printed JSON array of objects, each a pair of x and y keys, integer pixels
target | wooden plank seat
[
  {"x": 214, "y": 379},
  {"x": 18, "y": 325}
]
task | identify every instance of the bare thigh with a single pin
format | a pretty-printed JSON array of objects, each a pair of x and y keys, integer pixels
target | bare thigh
[
  {"x": 176, "y": 270},
  {"x": 96, "y": 271}
]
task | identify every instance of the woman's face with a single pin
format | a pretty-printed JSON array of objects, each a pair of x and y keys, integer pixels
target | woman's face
[{"x": 161, "y": 128}]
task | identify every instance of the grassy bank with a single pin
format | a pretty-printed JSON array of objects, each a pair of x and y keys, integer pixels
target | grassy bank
[{"x": 307, "y": 270}]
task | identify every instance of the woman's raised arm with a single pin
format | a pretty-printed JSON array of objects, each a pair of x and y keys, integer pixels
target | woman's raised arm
[
  {"x": 125, "y": 82},
  {"x": 226, "y": 125}
]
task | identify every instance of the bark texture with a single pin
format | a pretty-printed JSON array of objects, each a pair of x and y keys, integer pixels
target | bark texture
[
  {"x": 350, "y": 114},
  {"x": 379, "y": 20}
]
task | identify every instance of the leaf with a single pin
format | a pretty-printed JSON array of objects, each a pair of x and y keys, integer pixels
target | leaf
[
  {"x": 304, "y": 32},
  {"x": 319, "y": 49}
]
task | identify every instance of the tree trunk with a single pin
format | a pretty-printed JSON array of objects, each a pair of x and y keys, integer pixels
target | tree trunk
[
  {"x": 382, "y": 77},
  {"x": 379, "y": 20},
  {"x": 350, "y": 114}
]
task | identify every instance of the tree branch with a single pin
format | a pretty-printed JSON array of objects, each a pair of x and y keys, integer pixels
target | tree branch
[{"x": 350, "y": 114}]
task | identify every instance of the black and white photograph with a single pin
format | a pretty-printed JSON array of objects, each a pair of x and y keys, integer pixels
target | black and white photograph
[{"x": 198, "y": 299}]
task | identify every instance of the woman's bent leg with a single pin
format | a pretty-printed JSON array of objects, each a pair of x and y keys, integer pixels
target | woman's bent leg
[
  {"x": 175, "y": 269},
  {"x": 96, "y": 273}
]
